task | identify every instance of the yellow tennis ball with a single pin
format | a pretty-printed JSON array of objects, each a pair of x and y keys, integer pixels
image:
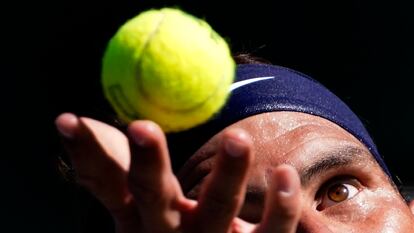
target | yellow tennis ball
[{"x": 167, "y": 66}]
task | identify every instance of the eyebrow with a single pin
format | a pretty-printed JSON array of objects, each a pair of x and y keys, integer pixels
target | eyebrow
[
  {"x": 339, "y": 157},
  {"x": 335, "y": 159}
]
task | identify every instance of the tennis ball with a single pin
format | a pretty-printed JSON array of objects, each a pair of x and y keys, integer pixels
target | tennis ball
[{"x": 169, "y": 67}]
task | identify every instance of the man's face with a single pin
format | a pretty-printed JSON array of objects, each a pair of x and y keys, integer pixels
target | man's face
[{"x": 343, "y": 188}]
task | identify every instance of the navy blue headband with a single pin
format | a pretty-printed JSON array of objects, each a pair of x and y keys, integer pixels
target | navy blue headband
[{"x": 260, "y": 88}]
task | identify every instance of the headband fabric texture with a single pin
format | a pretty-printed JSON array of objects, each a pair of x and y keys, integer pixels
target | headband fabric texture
[{"x": 260, "y": 88}]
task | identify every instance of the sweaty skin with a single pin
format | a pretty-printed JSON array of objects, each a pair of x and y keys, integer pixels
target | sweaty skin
[
  {"x": 324, "y": 155},
  {"x": 280, "y": 172}
]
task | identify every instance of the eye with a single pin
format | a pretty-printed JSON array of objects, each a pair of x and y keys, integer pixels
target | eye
[{"x": 337, "y": 192}]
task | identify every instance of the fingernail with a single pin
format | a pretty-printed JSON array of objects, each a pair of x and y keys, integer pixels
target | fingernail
[
  {"x": 234, "y": 148},
  {"x": 66, "y": 124},
  {"x": 139, "y": 140},
  {"x": 283, "y": 186},
  {"x": 138, "y": 136}
]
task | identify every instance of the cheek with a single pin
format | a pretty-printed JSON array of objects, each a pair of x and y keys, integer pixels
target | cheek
[
  {"x": 373, "y": 211},
  {"x": 395, "y": 222}
]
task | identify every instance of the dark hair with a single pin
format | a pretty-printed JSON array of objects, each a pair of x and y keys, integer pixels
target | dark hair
[{"x": 248, "y": 58}]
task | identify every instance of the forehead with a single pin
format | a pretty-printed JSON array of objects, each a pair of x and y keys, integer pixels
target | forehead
[
  {"x": 285, "y": 137},
  {"x": 270, "y": 126},
  {"x": 309, "y": 143}
]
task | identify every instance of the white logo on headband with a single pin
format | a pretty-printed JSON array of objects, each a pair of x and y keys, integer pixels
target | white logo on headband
[{"x": 247, "y": 81}]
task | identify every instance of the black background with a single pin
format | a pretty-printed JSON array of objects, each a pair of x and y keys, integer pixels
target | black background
[{"x": 361, "y": 50}]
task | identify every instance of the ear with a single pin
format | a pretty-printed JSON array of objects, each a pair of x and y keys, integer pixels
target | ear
[{"x": 411, "y": 205}]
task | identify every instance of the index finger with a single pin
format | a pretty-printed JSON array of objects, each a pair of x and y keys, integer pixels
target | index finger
[
  {"x": 151, "y": 180},
  {"x": 222, "y": 195},
  {"x": 283, "y": 202}
]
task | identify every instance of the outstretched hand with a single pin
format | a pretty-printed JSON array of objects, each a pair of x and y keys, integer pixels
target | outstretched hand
[{"x": 131, "y": 175}]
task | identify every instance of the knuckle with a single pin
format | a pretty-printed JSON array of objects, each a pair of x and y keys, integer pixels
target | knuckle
[
  {"x": 219, "y": 204},
  {"x": 287, "y": 213},
  {"x": 144, "y": 193}
]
